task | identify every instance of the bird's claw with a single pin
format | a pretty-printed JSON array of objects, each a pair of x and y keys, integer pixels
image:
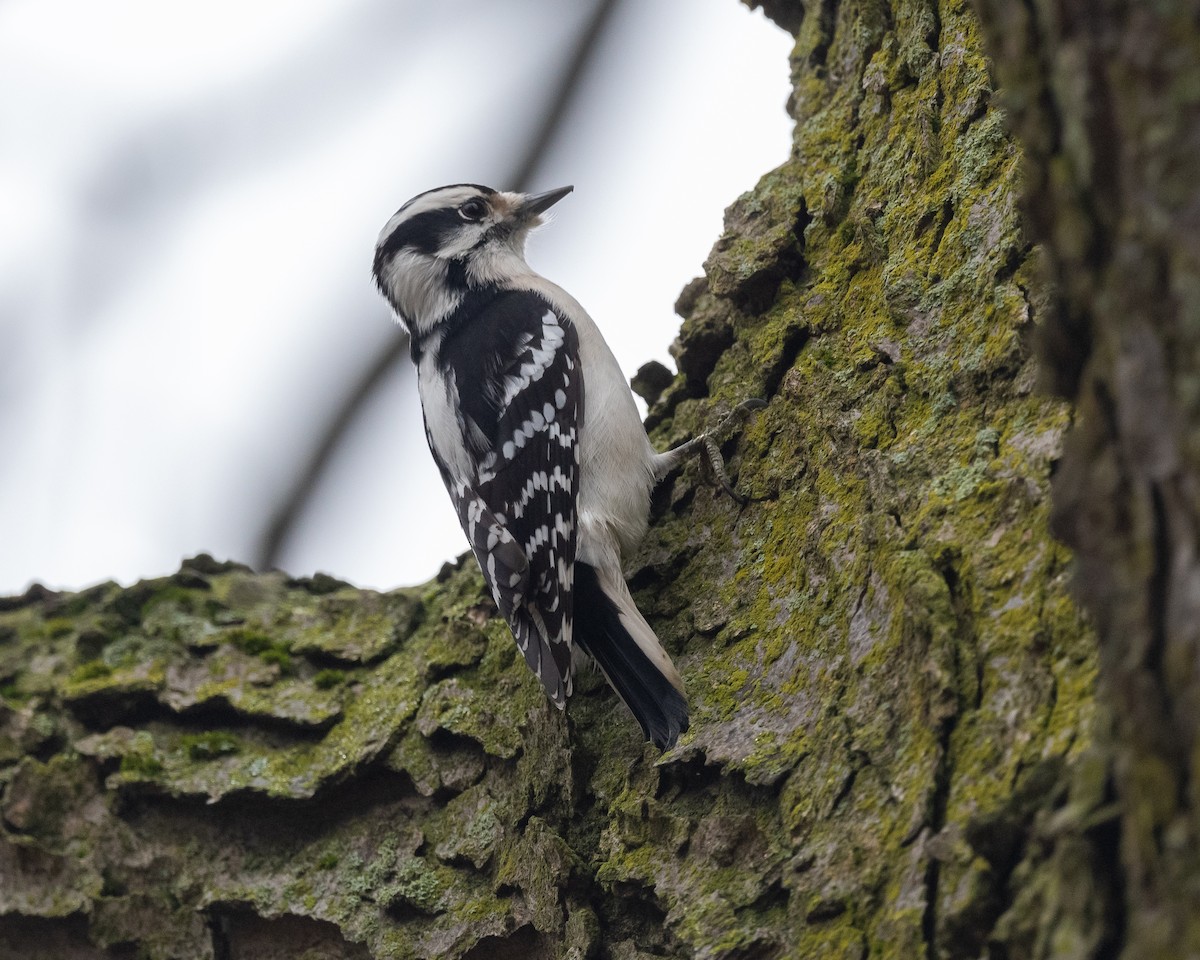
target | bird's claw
[{"x": 712, "y": 463}]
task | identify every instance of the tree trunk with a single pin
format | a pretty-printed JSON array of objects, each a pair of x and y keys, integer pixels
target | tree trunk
[
  {"x": 896, "y": 747},
  {"x": 1106, "y": 98}
]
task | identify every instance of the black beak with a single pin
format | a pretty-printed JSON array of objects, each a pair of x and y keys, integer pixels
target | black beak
[{"x": 535, "y": 203}]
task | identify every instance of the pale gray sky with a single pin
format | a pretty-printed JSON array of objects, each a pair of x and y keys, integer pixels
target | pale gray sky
[{"x": 191, "y": 195}]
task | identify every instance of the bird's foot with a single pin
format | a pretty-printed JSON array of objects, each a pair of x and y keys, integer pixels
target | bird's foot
[{"x": 712, "y": 464}]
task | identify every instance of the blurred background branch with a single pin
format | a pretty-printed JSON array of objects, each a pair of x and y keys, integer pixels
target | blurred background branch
[
  {"x": 194, "y": 358},
  {"x": 291, "y": 507}
]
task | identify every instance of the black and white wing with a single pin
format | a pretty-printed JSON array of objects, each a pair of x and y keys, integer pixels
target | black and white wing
[{"x": 517, "y": 373}]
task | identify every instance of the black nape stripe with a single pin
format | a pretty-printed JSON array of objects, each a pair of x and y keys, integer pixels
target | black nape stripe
[
  {"x": 456, "y": 274},
  {"x": 470, "y": 311},
  {"x": 424, "y": 232}
]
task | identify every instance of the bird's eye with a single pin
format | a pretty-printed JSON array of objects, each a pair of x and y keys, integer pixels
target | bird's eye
[{"x": 473, "y": 209}]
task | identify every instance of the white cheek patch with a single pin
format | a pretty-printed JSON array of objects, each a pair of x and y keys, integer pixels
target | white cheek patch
[
  {"x": 499, "y": 261},
  {"x": 462, "y": 242},
  {"x": 417, "y": 282}
]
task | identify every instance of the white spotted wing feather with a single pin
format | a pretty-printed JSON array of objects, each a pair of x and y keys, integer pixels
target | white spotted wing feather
[{"x": 511, "y": 465}]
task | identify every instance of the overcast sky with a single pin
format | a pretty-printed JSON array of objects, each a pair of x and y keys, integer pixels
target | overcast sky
[{"x": 191, "y": 195}]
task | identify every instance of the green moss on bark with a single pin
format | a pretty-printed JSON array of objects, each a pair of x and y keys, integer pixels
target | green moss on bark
[{"x": 891, "y": 690}]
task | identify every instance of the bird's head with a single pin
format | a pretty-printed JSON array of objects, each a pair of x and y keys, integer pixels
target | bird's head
[{"x": 447, "y": 241}]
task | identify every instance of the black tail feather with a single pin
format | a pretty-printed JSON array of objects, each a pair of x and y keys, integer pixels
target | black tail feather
[{"x": 661, "y": 709}]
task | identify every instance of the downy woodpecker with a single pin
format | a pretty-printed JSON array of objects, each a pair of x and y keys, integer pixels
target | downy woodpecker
[{"x": 535, "y": 431}]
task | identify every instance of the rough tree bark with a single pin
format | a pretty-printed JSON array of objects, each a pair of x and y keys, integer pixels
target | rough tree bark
[
  {"x": 897, "y": 749},
  {"x": 1106, "y": 99}
]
